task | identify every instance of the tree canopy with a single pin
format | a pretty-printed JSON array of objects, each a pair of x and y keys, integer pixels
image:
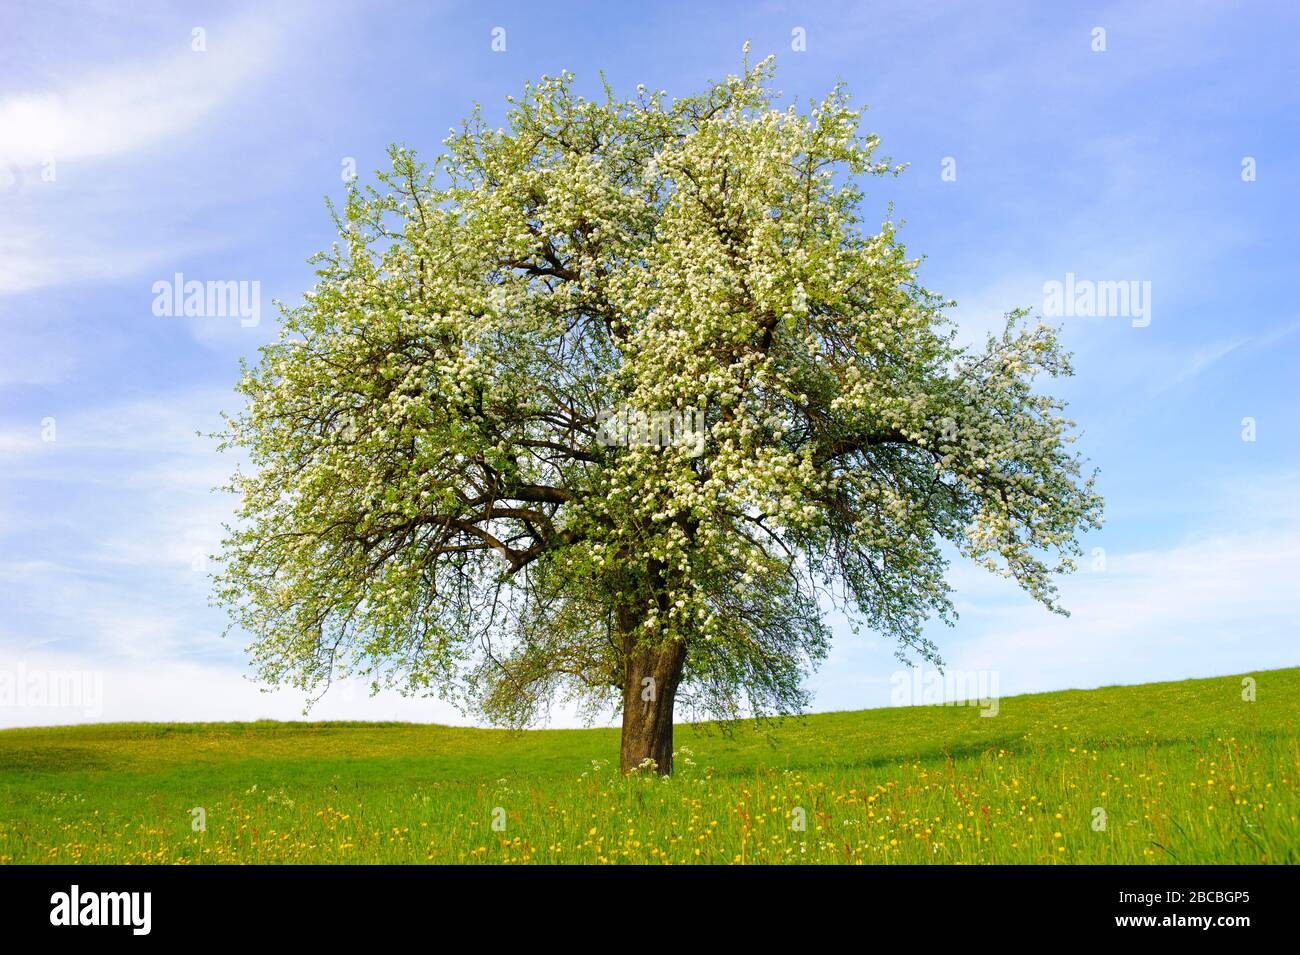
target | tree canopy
[{"x": 434, "y": 498}]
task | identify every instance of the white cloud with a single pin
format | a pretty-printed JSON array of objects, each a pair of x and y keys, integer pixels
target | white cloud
[
  {"x": 1220, "y": 602},
  {"x": 131, "y": 106},
  {"x": 70, "y": 228},
  {"x": 167, "y": 423},
  {"x": 1204, "y": 357},
  {"x": 164, "y": 691},
  {"x": 177, "y": 691},
  {"x": 1223, "y": 601},
  {"x": 1200, "y": 360},
  {"x": 26, "y": 265},
  {"x": 111, "y": 552}
]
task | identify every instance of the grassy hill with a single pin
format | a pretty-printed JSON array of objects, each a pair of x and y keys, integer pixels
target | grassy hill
[{"x": 1183, "y": 772}]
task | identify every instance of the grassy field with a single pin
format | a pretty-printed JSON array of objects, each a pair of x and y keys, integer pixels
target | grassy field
[{"x": 1177, "y": 772}]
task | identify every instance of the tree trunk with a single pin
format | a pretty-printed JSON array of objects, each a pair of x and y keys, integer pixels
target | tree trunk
[{"x": 651, "y": 675}]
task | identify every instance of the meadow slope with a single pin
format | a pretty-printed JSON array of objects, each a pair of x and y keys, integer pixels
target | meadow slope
[{"x": 1185, "y": 772}]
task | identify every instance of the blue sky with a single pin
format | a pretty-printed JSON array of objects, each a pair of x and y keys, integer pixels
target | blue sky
[{"x": 127, "y": 156}]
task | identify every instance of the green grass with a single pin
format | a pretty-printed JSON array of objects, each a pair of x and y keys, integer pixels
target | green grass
[{"x": 1185, "y": 772}]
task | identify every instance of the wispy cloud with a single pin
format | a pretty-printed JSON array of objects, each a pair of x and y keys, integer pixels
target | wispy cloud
[
  {"x": 1220, "y": 600},
  {"x": 133, "y": 106},
  {"x": 1200, "y": 360},
  {"x": 174, "y": 691},
  {"x": 1205, "y": 357},
  {"x": 65, "y": 225}
]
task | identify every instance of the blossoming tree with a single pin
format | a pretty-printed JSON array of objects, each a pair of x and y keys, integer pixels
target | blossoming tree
[{"x": 431, "y": 499}]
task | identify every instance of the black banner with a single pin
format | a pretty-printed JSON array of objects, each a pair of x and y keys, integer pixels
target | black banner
[{"x": 942, "y": 904}]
